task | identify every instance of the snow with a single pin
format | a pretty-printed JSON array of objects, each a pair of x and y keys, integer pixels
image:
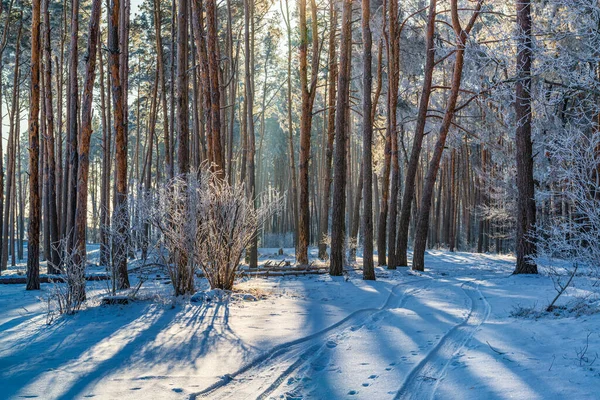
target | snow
[{"x": 448, "y": 333}]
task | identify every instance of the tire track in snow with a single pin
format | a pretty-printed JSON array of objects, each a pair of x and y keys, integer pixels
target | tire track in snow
[
  {"x": 268, "y": 371},
  {"x": 424, "y": 378}
]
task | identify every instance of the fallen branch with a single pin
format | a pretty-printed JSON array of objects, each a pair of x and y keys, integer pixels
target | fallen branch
[
  {"x": 497, "y": 351},
  {"x": 49, "y": 279},
  {"x": 562, "y": 289}
]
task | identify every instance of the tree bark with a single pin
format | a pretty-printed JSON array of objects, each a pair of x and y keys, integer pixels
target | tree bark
[
  {"x": 413, "y": 163},
  {"x": 525, "y": 184},
  {"x": 54, "y": 262},
  {"x": 249, "y": 115},
  {"x": 163, "y": 88},
  {"x": 307, "y": 92},
  {"x": 336, "y": 266},
  {"x": 78, "y": 289},
  {"x": 121, "y": 212},
  {"x": 10, "y": 150},
  {"x": 215, "y": 94},
  {"x": 183, "y": 164},
  {"x": 33, "y": 248},
  {"x": 332, "y": 78},
  {"x": 424, "y": 212},
  {"x": 394, "y": 72},
  {"x": 367, "y": 166}
]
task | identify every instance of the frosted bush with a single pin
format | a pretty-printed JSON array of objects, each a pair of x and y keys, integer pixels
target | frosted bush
[{"x": 205, "y": 222}]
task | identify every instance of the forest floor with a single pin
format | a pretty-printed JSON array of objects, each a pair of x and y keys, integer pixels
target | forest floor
[{"x": 464, "y": 329}]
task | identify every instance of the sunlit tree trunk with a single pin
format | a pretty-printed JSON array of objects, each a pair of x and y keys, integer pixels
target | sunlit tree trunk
[
  {"x": 33, "y": 248},
  {"x": 307, "y": 94},
  {"x": 121, "y": 213},
  {"x": 332, "y": 78},
  {"x": 422, "y": 225},
  {"x": 78, "y": 289},
  {"x": 52, "y": 217},
  {"x": 336, "y": 266},
  {"x": 413, "y": 163},
  {"x": 183, "y": 164},
  {"x": 367, "y": 159}
]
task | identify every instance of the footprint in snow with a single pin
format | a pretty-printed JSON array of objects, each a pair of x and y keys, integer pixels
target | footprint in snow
[
  {"x": 353, "y": 392},
  {"x": 331, "y": 344}
]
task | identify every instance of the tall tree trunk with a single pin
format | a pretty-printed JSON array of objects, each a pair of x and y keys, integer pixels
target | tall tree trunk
[
  {"x": 215, "y": 94},
  {"x": 424, "y": 211},
  {"x": 367, "y": 163},
  {"x": 121, "y": 212},
  {"x": 33, "y": 248},
  {"x": 10, "y": 150},
  {"x": 72, "y": 122},
  {"x": 394, "y": 72},
  {"x": 52, "y": 217},
  {"x": 163, "y": 88},
  {"x": 307, "y": 92},
  {"x": 106, "y": 168},
  {"x": 290, "y": 128},
  {"x": 332, "y": 77},
  {"x": 78, "y": 289},
  {"x": 3, "y": 43},
  {"x": 385, "y": 179},
  {"x": 249, "y": 115},
  {"x": 525, "y": 185},
  {"x": 413, "y": 163},
  {"x": 183, "y": 164},
  {"x": 336, "y": 266}
]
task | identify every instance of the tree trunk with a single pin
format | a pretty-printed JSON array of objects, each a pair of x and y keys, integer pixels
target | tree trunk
[
  {"x": 249, "y": 115},
  {"x": 307, "y": 92},
  {"x": 385, "y": 181},
  {"x": 10, "y": 150},
  {"x": 72, "y": 123},
  {"x": 336, "y": 266},
  {"x": 121, "y": 212},
  {"x": 163, "y": 88},
  {"x": 367, "y": 166},
  {"x": 525, "y": 184},
  {"x": 294, "y": 182},
  {"x": 332, "y": 77},
  {"x": 413, "y": 163},
  {"x": 183, "y": 164},
  {"x": 215, "y": 94},
  {"x": 33, "y": 249},
  {"x": 52, "y": 217},
  {"x": 78, "y": 289},
  {"x": 424, "y": 212},
  {"x": 106, "y": 168},
  {"x": 394, "y": 72}
]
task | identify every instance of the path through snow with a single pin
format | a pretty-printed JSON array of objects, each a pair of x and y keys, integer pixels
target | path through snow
[{"x": 447, "y": 333}]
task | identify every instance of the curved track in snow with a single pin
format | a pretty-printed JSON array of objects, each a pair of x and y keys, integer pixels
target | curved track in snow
[
  {"x": 263, "y": 375},
  {"x": 422, "y": 382}
]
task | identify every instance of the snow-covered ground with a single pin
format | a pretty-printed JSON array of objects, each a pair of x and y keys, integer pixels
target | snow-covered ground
[{"x": 449, "y": 333}]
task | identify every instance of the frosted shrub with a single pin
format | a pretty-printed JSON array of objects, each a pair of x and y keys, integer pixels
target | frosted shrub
[
  {"x": 208, "y": 223},
  {"x": 231, "y": 221},
  {"x": 178, "y": 213},
  {"x": 573, "y": 232},
  {"x": 68, "y": 292}
]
